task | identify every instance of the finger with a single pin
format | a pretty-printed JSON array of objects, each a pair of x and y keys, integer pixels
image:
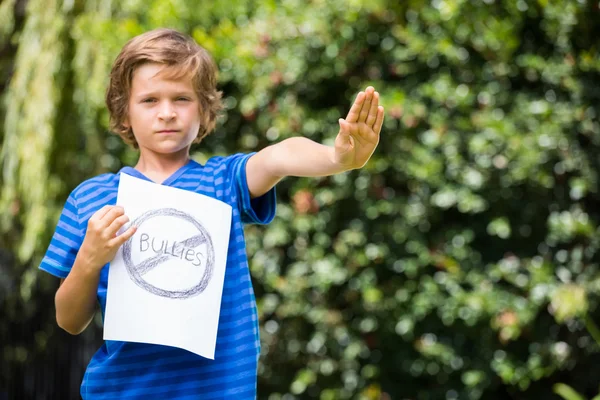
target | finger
[
  {"x": 123, "y": 237},
  {"x": 372, "y": 117},
  {"x": 379, "y": 121},
  {"x": 364, "y": 111},
  {"x": 117, "y": 224},
  {"x": 98, "y": 215},
  {"x": 355, "y": 109},
  {"x": 112, "y": 214}
]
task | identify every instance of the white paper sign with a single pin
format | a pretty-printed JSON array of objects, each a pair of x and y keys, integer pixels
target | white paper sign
[{"x": 165, "y": 283}]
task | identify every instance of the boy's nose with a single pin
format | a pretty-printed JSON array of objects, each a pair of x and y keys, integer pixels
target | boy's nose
[{"x": 166, "y": 112}]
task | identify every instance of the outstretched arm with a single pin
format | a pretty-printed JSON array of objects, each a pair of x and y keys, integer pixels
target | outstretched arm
[{"x": 354, "y": 144}]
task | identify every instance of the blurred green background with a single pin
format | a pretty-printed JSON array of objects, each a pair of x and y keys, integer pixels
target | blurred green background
[{"x": 460, "y": 263}]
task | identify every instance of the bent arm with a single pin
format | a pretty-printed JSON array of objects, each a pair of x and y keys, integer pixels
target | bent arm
[
  {"x": 75, "y": 299},
  {"x": 297, "y": 156}
]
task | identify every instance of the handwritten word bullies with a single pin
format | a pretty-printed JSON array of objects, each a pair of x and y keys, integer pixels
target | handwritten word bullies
[{"x": 176, "y": 249}]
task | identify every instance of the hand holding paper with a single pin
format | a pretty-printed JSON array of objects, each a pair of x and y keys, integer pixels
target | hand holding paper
[{"x": 102, "y": 240}]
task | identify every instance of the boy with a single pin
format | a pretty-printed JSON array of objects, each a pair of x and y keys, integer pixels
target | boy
[{"x": 162, "y": 97}]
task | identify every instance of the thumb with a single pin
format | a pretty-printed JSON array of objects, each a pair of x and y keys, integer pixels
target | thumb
[
  {"x": 343, "y": 139},
  {"x": 343, "y": 134},
  {"x": 344, "y": 128}
]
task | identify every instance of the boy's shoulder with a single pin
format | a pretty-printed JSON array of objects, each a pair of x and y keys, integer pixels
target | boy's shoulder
[
  {"x": 106, "y": 181},
  {"x": 224, "y": 161}
]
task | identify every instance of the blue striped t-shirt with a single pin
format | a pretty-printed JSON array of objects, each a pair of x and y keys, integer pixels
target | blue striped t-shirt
[{"x": 123, "y": 370}]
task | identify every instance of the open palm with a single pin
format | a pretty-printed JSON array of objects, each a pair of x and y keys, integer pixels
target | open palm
[{"x": 359, "y": 132}]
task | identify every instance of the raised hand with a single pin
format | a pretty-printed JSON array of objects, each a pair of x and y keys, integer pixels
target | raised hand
[
  {"x": 102, "y": 240},
  {"x": 359, "y": 132}
]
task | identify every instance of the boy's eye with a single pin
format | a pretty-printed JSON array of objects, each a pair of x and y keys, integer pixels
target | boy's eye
[
  {"x": 182, "y": 99},
  {"x": 149, "y": 100}
]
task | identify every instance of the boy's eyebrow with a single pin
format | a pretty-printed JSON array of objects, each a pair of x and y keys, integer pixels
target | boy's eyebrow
[{"x": 174, "y": 93}]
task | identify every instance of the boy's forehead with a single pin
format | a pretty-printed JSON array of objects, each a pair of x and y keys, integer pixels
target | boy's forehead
[{"x": 152, "y": 73}]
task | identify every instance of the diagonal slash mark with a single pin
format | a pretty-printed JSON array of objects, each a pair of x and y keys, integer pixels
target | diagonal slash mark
[
  {"x": 194, "y": 241},
  {"x": 152, "y": 262}
]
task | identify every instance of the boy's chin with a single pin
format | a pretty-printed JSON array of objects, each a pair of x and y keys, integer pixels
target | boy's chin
[{"x": 167, "y": 148}]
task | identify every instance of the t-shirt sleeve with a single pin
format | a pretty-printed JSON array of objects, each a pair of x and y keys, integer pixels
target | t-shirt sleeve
[
  {"x": 65, "y": 242},
  {"x": 259, "y": 210}
]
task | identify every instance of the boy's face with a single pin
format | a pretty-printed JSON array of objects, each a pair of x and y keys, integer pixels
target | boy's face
[{"x": 163, "y": 113}]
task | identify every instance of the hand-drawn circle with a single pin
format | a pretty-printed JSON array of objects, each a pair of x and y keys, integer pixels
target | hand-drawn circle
[{"x": 135, "y": 274}]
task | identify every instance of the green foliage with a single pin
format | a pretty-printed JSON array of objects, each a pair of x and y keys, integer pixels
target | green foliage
[
  {"x": 567, "y": 392},
  {"x": 460, "y": 263}
]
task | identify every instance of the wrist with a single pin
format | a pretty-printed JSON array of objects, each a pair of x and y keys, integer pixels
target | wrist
[
  {"x": 86, "y": 265},
  {"x": 337, "y": 165}
]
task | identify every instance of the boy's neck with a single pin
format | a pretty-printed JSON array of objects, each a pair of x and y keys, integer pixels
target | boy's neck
[{"x": 159, "y": 167}]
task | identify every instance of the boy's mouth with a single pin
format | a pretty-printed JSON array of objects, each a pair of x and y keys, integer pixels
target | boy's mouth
[{"x": 168, "y": 131}]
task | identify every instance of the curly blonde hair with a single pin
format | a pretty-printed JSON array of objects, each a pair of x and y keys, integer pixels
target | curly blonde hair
[{"x": 183, "y": 57}]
